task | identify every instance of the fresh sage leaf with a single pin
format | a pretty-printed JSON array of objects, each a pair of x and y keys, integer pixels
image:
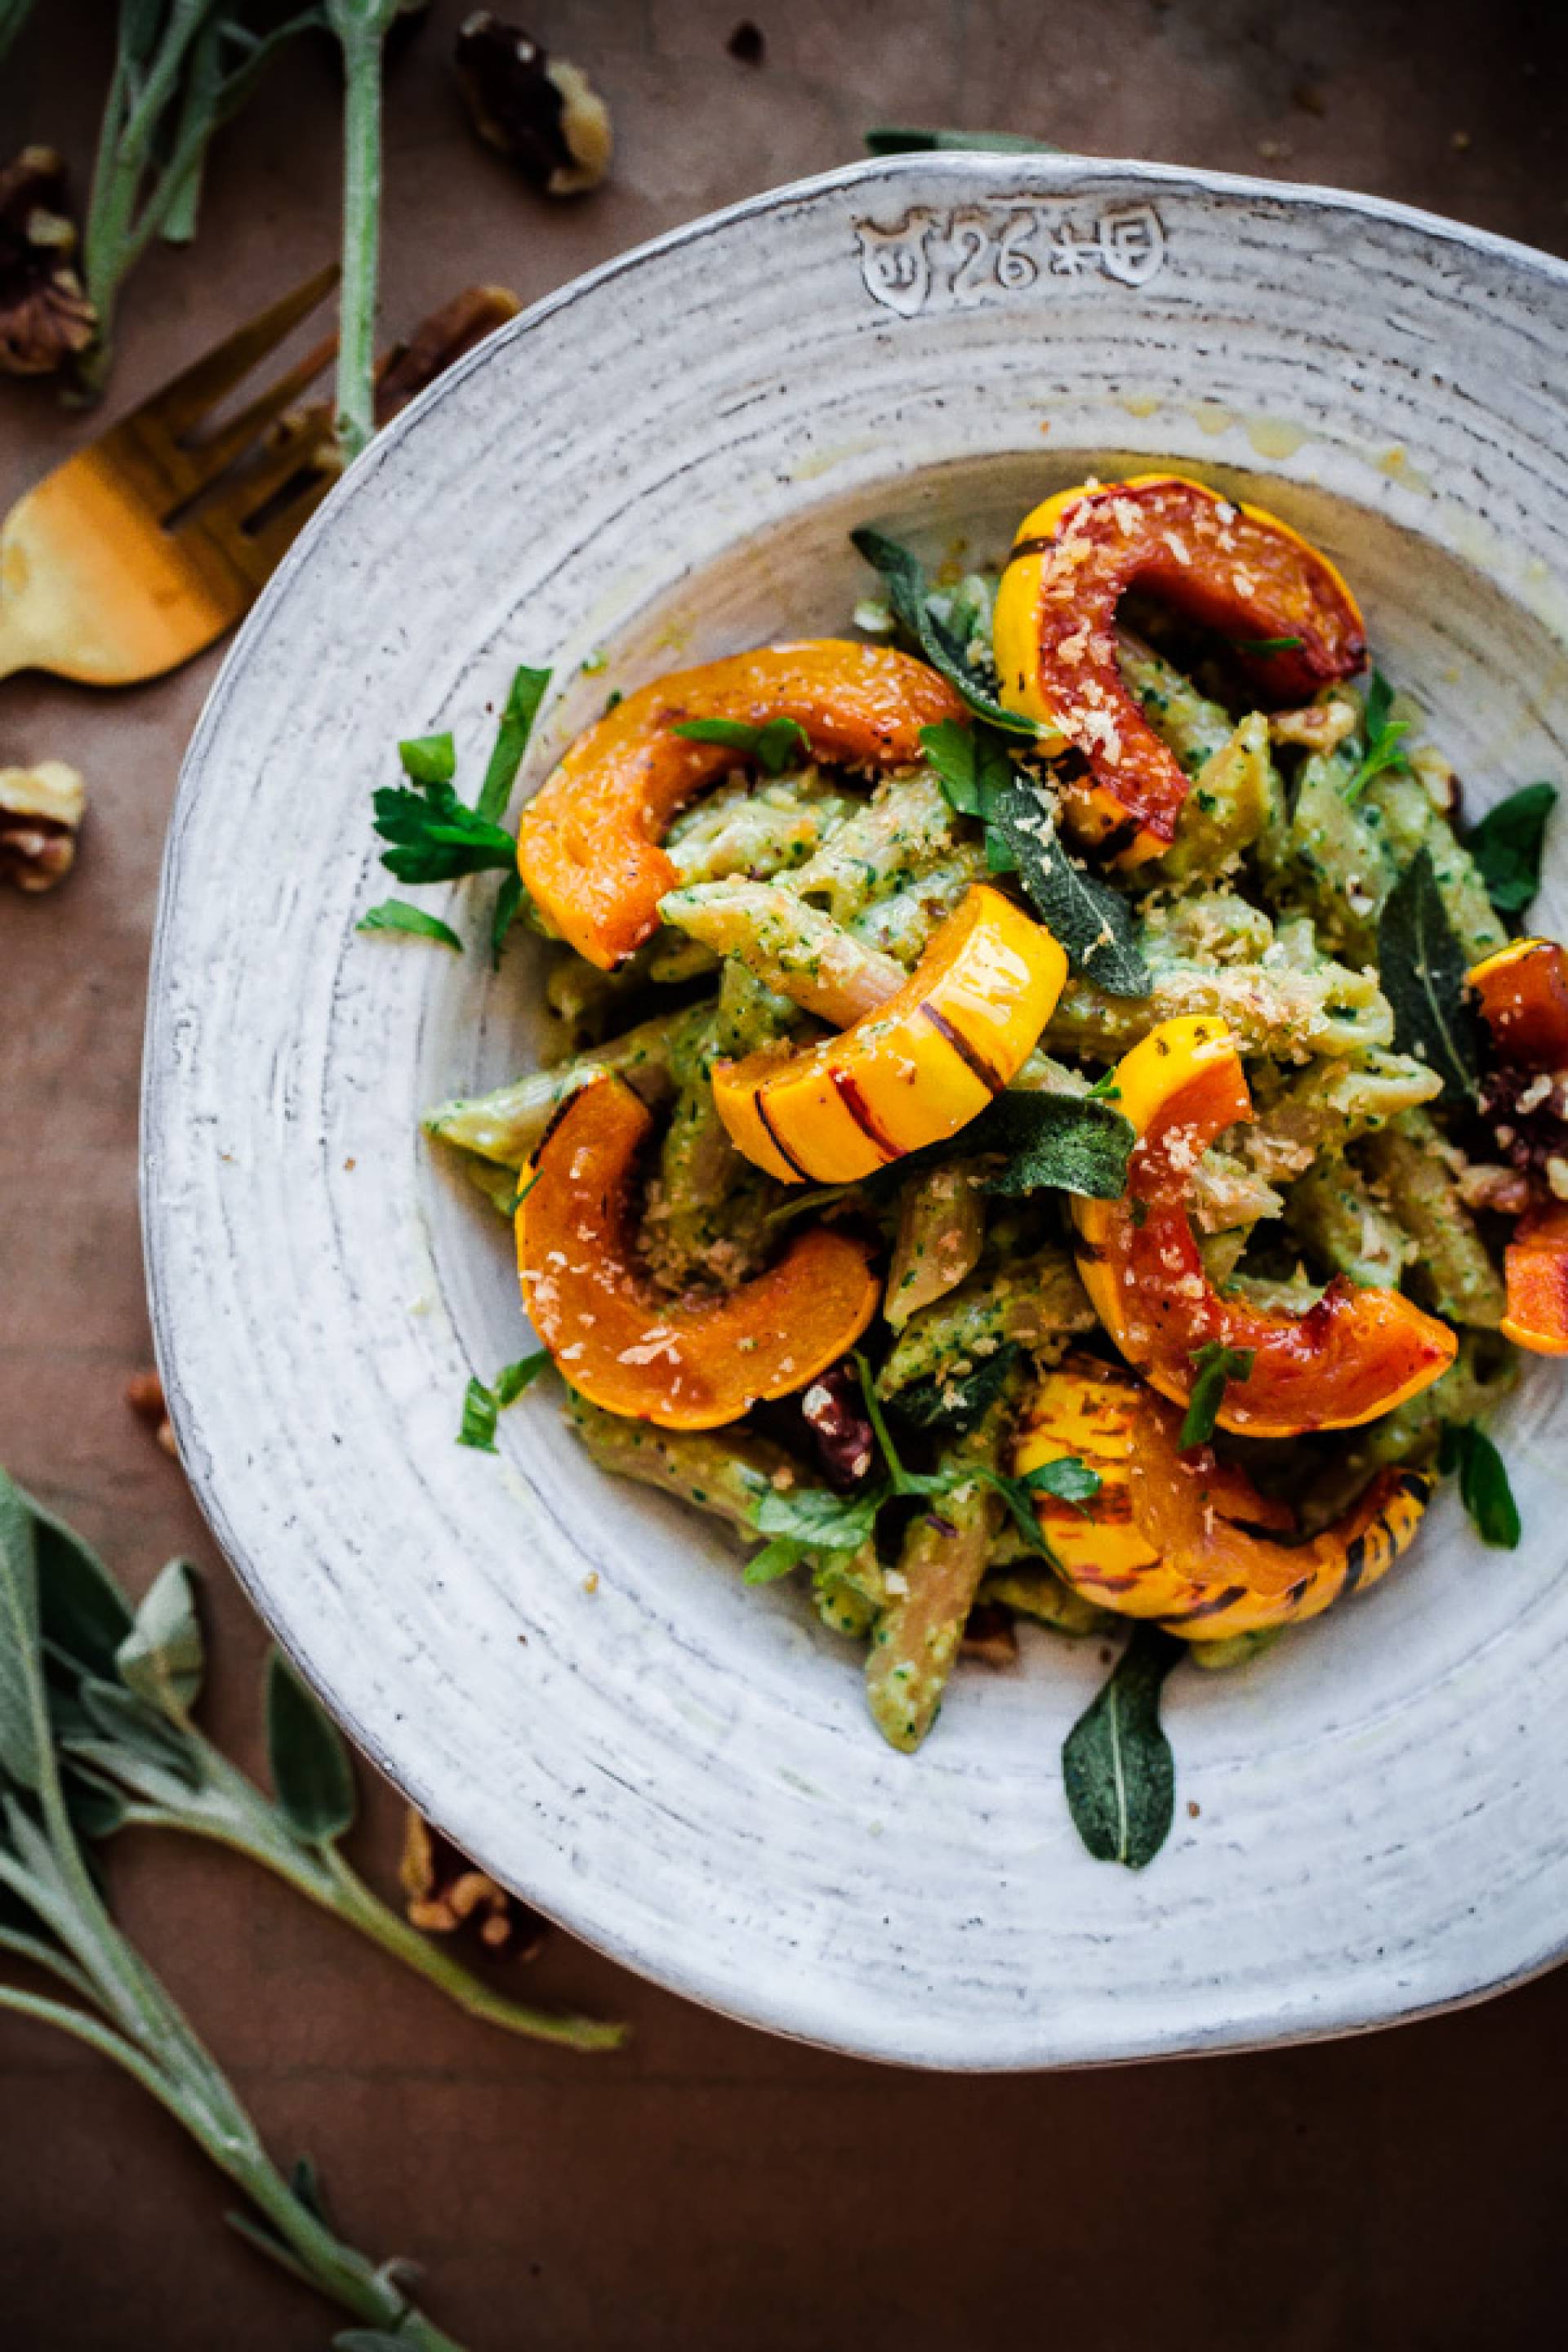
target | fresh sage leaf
[
  {"x": 951, "y": 1407},
  {"x": 136, "y": 1725},
  {"x": 1506, "y": 846},
  {"x": 1214, "y": 1367},
  {"x": 81, "y": 1609},
  {"x": 428, "y": 759},
  {"x": 96, "y": 1811},
  {"x": 1067, "y": 1143},
  {"x": 528, "y": 690},
  {"x": 1382, "y": 735},
  {"x": 1117, "y": 1766},
  {"x": 1092, "y": 923},
  {"x": 1484, "y": 1487},
  {"x": 20, "y": 1668},
  {"x": 312, "y": 1777},
  {"x": 1421, "y": 966},
  {"x": 907, "y": 594},
  {"x": 397, "y": 915},
  {"x": 774, "y": 745},
  {"x": 162, "y": 1657},
  {"x": 433, "y": 837}
]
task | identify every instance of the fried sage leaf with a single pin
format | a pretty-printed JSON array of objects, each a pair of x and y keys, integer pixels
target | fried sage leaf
[
  {"x": 1421, "y": 966},
  {"x": 1116, "y": 1766},
  {"x": 1484, "y": 1487},
  {"x": 1094, "y": 923},
  {"x": 907, "y": 593}
]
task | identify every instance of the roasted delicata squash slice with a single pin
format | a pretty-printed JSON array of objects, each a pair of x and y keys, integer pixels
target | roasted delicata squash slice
[
  {"x": 588, "y": 845},
  {"x": 683, "y": 1364},
  {"x": 1353, "y": 1355},
  {"x": 1184, "y": 1537},
  {"x": 1524, "y": 995},
  {"x": 1230, "y": 567},
  {"x": 917, "y": 1069}
]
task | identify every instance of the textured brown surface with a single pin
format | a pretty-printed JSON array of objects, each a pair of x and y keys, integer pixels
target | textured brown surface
[{"x": 713, "y": 2188}]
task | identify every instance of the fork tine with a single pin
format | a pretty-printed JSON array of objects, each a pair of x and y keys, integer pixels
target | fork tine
[
  {"x": 208, "y": 460},
  {"x": 273, "y": 540},
  {"x": 179, "y": 405},
  {"x": 295, "y": 451}
]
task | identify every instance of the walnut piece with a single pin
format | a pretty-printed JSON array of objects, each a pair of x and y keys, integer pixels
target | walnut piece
[
  {"x": 46, "y": 318},
  {"x": 436, "y": 342},
  {"x": 444, "y": 1892},
  {"x": 144, "y": 1395},
  {"x": 1316, "y": 727},
  {"x": 40, "y": 816},
  {"x": 541, "y": 111}
]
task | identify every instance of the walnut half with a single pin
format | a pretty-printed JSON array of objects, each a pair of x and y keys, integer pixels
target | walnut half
[
  {"x": 541, "y": 111},
  {"x": 46, "y": 318},
  {"x": 40, "y": 816},
  {"x": 444, "y": 1892}
]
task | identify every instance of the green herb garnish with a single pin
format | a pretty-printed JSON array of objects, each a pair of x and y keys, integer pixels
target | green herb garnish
[
  {"x": 910, "y": 597},
  {"x": 526, "y": 692},
  {"x": 1094, "y": 923},
  {"x": 953, "y": 1406},
  {"x": 1421, "y": 966},
  {"x": 397, "y": 915},
  {"x": 774, "y": 745},
  {"x": 482, "y": 1405},
  {"x": 1266, "y": 644},
  {"x": 1484, "y": 1487},
  {"x": 429, "y": 759},
  {"x": 1214, "y": 1367},
  {"x": 801, "y": 1522},
  {"x": 1117, "y": 1768},
  {"x": 1382, "y": 736},
  {"x": 433, "y": 837},
  {"x": 1506, "y": 846},
  {"x": 1069, "y": 1143}
]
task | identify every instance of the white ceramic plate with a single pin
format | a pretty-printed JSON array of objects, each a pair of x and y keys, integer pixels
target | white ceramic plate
[{"x": 663, "y": 462}]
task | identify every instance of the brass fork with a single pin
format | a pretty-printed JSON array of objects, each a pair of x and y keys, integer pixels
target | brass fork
[{"x": 145, "y": 546}]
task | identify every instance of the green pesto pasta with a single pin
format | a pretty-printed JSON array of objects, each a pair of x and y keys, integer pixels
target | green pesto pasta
[{"x": 916, "y": 1465}]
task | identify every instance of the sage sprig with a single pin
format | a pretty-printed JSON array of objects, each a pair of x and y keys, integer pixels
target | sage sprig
[
  {"x": 123, "y": 1686},
  {"x": 63, "y": 1626},
  {"x": 181, "y": 69}
]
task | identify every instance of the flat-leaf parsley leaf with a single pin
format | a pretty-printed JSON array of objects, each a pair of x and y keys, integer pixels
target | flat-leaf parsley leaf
[{"x": 1214, "y": 1367}]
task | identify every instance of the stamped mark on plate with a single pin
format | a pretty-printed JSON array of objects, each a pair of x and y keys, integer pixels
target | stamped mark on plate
[{"x": 980, "y": 252}]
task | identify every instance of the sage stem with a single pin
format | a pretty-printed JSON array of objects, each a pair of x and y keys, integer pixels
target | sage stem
[{"x": 362, "y": 45}]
